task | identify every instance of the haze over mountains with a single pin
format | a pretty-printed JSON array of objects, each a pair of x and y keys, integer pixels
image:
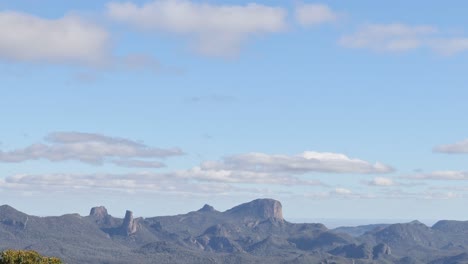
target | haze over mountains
[{"x": 253, "y": 232}]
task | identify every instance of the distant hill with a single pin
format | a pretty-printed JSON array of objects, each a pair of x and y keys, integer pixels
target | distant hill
[
  {"x": 356, "y": 231},
  {"x": 253, "y": 232}
]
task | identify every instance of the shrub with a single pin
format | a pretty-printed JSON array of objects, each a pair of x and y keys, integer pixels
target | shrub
[{"x": 26, "y": 257}]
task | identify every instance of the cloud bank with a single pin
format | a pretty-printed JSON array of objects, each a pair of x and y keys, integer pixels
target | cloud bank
[
  {"x": 218, "y": 30},
  {"x": 305, "y": 162},
  {"x": 440, "y": 175},
  {"x": 90, "y": 148},
  {"x": 70, "y": 39},
  {"x": 399, "y": 37}
]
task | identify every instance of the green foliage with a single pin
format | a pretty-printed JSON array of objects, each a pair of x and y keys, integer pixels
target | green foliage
[{"x": 26, "y": 257}]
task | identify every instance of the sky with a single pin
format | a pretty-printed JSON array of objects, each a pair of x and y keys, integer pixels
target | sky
[{"x": 338, "y": 109}]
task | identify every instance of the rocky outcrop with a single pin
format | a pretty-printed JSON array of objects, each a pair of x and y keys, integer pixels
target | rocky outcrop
[
  {"x": 129, "y": 225},
  {"x": 101, "y": 217},
  {"x": 98, "y": 212},
  {"x": 259, "y": 209}
]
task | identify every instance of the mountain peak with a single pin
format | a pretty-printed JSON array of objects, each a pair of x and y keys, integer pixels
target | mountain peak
[
  {"x": 416, "y": 222},
  {"x": 207, "y": 208},
  {"x": 6, "y": 210},
  {"x": 260, "y": 208},
  {"x": 12, "y": 217}
]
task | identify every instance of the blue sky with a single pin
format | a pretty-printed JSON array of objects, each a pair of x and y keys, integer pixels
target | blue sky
[{"x": 339, "y": 110}]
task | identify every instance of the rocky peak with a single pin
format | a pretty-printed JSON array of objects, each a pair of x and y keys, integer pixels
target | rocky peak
[
  {"x": 260, "y": 208},
  {"x": 99, "y": 212},
  {"x": 207, "y": 208},
  {"x": 129, "y": 225}
]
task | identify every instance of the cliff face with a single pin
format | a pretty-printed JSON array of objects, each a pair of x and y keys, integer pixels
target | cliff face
[{"x": 260, "y": 208}]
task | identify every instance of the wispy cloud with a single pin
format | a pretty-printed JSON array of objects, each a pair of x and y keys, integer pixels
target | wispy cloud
[
  {"x": 138, "y": 182},
  {"x": 305, "y": 162},
  {"x": 217, "y": 30},
  {"x": 89, "y": 148},
  {"x": 180, "y": 181},
  {"x": 133, "y": 163},
  {"x": 382, "y": 181},
  {"x": 339, "y": 193},
  {"x": 455, "y": 148},
  {"x": 388, "y": 37},
  {"x": 69, "y": 39},
  {"x": 399, "y": 37},
  {"x": 314, "y": 14},
  {"x": 242, "y": 176},
  {"x": 212, "y": 98},
  {"x": 426, "y": 195},
  {"x": 386, "y": 194},
  {"x": 439, "y": 175},
  {"x": 260, "y": 168},
  {"x": 450, "y": 46}
]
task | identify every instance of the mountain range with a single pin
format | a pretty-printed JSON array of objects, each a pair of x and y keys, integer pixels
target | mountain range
[{"x": 253, "y": 232}]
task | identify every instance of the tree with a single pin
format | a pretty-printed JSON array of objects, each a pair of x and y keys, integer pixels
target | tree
[{"x": 26, "y": 257}]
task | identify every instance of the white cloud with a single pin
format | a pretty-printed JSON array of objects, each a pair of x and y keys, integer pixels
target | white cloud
[
  {"x": 242, "y": 176},
  {"x": 305, "y": 162},
  {"x": 339, "y": 193},
  {"x": 70, "y": 39},
  {"x": 132, "y": 163},
  {"x": 342, "y": 191},
  {"x": 88, "y": 148},
  {"x": 138, "y": 182},
  {"x": 382, "y": 181},
  {"x": 426, "y": 195},
  {"x": 171, "y": 182},
  {"x": 440, "y": 175},
  {"x": 314, "y": 14},
  {"x": 442, "y": 195},
  {"x": 217, "y": 30},
  {"x": 387, "y": 194},
  {"x": 388, "y": 37},
  {"x": 260, "y": 168},
  {"x": 450, "y": 46},
  {"x": 455, "y": 148},
  {"x": 398, "y": 37}
]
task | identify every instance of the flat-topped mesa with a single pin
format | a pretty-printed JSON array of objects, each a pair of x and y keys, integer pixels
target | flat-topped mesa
[
  {"x": 100, "y": 216},
  {"x": 98, "y": 212},
  {"x": 260, "y": 208},
  {"x": 129, "y": 225}
]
